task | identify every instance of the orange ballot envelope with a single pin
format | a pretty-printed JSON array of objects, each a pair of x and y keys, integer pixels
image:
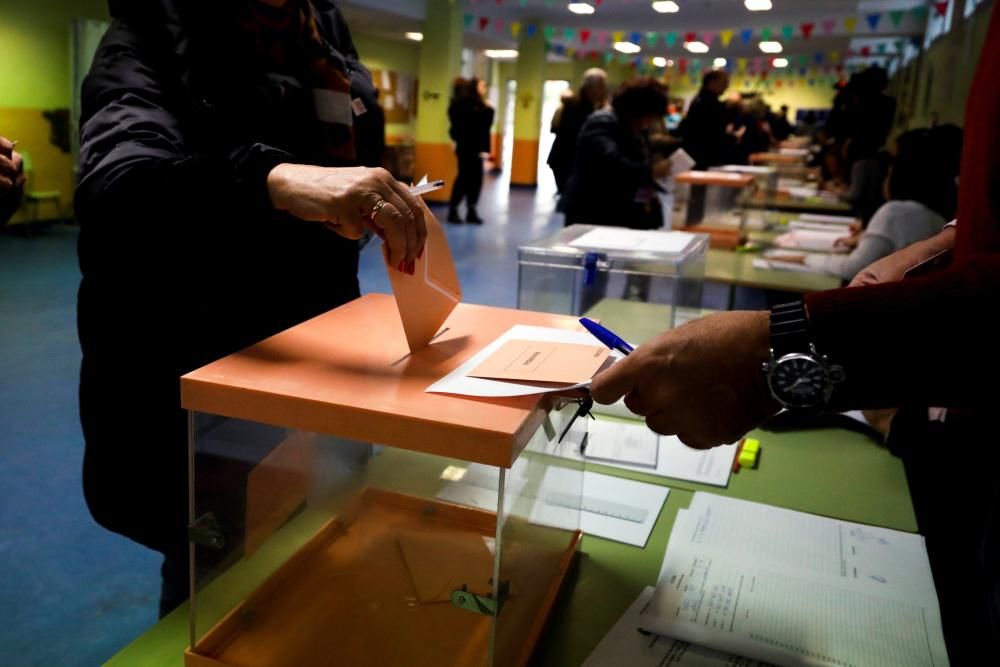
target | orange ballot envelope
[
  {"x": 426, "y": 299},
  {"x": 543, "y": 361}
]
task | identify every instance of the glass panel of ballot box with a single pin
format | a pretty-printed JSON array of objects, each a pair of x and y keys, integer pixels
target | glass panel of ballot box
[
  {"x": 614, "y": 273},
  {"x": 342, "y": 515}
]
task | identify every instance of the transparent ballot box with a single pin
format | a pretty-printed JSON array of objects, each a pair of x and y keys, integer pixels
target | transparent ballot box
[
  {"x": 341, "y": 515},
  {"x": 613, "y": 273},
  {"x": 715, "y": 202}
]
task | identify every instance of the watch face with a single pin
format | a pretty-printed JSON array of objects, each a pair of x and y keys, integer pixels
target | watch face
[{"x": 800, "y": 381}]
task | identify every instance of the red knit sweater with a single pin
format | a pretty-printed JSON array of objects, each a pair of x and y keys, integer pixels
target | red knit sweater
[{"x": 933, "y": 340}]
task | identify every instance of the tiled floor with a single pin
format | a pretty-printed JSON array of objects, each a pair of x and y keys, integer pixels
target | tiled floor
[{"x": 72, "y": 593}]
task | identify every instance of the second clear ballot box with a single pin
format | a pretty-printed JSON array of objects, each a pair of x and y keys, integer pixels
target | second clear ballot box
[
  {"x": 342, "y": 515},
  {"x": 613, "y": 273}
]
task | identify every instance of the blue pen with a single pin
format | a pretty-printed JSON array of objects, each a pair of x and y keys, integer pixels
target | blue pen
[{"x": 609, "y": 338}]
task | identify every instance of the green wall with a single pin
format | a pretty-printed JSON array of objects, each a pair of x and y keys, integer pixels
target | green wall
[
  {"x": 402, "y": 57},
  {"x": 34, "y": 68}
]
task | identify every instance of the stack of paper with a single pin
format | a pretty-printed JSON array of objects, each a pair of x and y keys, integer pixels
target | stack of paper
[
  {"x": 845, "y": 220},
  {"x": 796, "y": 589},
  {"x": 814, "y": 240},
  {"x": 637, "y": 240},
  {"x": 776, "y": 263}
]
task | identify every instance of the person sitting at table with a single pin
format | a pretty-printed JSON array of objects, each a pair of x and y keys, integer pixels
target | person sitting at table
[
  {"x": 219, "y": 204},
  {"x": 11, "y": 180},
  {"x": 922, "y": 198}
]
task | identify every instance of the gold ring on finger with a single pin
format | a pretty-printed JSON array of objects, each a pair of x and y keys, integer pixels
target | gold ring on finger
[{"x": 375, "y": 210}]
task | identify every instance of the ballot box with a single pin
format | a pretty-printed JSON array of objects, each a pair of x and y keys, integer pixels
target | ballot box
[
  {"x": 715, "y": 202},
  {"x": 590, "y": 270},
  {"x": 342, "y": 515}
]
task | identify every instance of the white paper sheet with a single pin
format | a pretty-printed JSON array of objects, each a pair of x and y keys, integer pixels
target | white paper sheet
[
  {"x": 625, "y": 645},
  {"x": 458, "y": 382},
  {"x": 615, "y": 509},
  {"x": 805, "y": 225},
  {"x": 778, "y": 265},
  {"x": 796, "y": 589},
  {"x": 674, "y": 459},
  {"x": 619, "y": 238},
  {"x": 803, "y": 192},
  {"x": 809, "y": 239},
  {"x": 832, "y": 219},
  {"x": 609, "y": 442}
]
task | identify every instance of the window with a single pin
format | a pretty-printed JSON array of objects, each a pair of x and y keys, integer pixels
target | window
[
  {"x": 972, "y": 5},
  {"x": 938, "y": 25}
]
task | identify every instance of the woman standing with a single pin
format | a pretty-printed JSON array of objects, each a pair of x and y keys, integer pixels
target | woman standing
[{"x": 471, "y": 118}]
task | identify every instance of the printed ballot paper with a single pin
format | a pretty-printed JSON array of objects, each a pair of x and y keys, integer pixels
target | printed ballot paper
[
  {"x": 543, "y": 361},
  {"x": 796, "y": 589}
]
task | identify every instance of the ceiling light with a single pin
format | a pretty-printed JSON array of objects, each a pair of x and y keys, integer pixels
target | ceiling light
[
  {"x": 696, "y": 47},
  {"x": 581, "y": 8},
  {"x": 670, "y": 62},
  {"x": 501, "y": 53},
  {"x": 627, "y": 47},
  {"x": 660, "y": 61},
  {"x": 666, "y": 7},
  {"x": 757, "y": 5},
  {"x": 720, "y": 62},
  {"x": 771, "y": 47},
  {"x": 780, "y": 62},
  {"x": 415, "y": 36}
]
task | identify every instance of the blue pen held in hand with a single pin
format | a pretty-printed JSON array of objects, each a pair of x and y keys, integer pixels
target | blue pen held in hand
[{"x": 607, "y": 337}]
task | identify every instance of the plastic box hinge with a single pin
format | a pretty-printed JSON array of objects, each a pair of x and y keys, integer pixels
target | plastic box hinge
[
  {"x": 206, "y": 531},
  {"x": 486, "y": 605}
]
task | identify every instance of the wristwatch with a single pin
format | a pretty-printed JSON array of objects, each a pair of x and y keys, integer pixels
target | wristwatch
[{"x": 799, "y": 377}]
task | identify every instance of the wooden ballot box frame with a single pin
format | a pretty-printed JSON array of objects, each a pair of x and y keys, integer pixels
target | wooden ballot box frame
[{"x": 311, "y": 547}]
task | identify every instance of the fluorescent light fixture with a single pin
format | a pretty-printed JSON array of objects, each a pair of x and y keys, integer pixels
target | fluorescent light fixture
[
  {"x": 757, "y": 5},
  {"x": 779, "y": 62},
  {"x": 627, "y": 47},
  {"x": 771, "y": 47},
  {"x": 720, "y": 62},
  {"x": 666, "y": 7},
  {"x": 501, "y": 54},
  {"x": 696, "y": 47},
  {"x": 415, "y": 36},
  {"x": 660, "y": 61},
  {"x": 581, "y": 8}
]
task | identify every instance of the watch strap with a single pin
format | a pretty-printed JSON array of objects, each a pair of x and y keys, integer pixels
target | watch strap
[{"x": 789, "y": 329}]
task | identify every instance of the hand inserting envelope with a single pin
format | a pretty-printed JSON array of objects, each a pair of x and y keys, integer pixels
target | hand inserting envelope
[{"x": 426, "y": 299}]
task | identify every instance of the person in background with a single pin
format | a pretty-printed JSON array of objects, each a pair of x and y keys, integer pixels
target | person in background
[
  {"x": 613, "y": 181},
  {"x": 11, "y": 180},
  {"x": 471, "y": 118},
  {"x": 863, "y": 166},
  {"x": 565, "y": 98},
  {"x": 781, "y": 128},
  {"x": 752, "y": 129},
  {"x": 922, "y": 198},
  {"x": 219, "y": 203},
  {"x": 808, "y": 126},
  {"x": 674, "y": 117},
  {"x": 592, "y": 96},
  {"x": 707, "y": 129}
]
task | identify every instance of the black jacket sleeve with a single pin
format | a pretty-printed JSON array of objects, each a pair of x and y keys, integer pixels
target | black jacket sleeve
[
  {"x": 599, "y": 144},
  {"x": 135, "y": 154}
]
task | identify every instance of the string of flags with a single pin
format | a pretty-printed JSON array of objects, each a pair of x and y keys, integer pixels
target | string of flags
[{"x": 603, "y": 38}]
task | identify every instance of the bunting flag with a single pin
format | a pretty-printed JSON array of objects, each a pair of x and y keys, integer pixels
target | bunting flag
[
  {"x": 602, "y": 37},
  {"x": 569, "y": 34},
  {"x": 828, "y": 26},
  {"x": 787, "y": 32},
  {"x": 896, "y": 16},
  {"x": 469, "y": 20},
  {"x": 900, "y": 45},
  {"x": 835, "y": 56},
  {"x": 682, "y": 65},
  {"x": 807, "y": 30},
  {"x": 532, "y": 29},
  {"x": 670, "y": 39},
  {"x": 880, "y": 48},
  {"x": 850, "y": 23},
  {"x": 636, "y": 37},
  {"x": 818, "y": 58},
  {"x": 919, "y": 12},
  {"x": 726, "y": 36},
  {"x": 941, "y": 8},
  {"x": 708, "y": 37},
  {"x": 873, "y": 21},
  {"x": 498, "y": 25},
  {"x": 765, "y": 34},
  {"x": 549, "y": 32},
  {"x": 608, "y": 57},
  {"x": 690, "y": 37},
  {"x": 741, "y": 65},
  {"x": 652, "y": 38},
  {"x": 866, "y": 50},
  {"x": 515, "y": 29},
  {"x": 803, "y": 60},
  {"x": 584, "y": 35},
  {"x": 618, "y": 36}
]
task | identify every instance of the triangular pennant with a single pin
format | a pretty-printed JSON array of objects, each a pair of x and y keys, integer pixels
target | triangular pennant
[
  {"x": 483, "y": 22},
  {"x": 941, "y": 8},
  {"x": 850, "y": 23},
  {"x": 515, "y": 29},
  {"x": 498, "y": 25},
  {"x": 550, "y": 32},
  {"x": 900, "y": 45},
  {"x": 670, "y": 39},
  {"x": 866, "y": 50},
  {"x": 469, "y": 20},
  {"x": 765, "y": 34},
  {"x": 726, "y": 36},
  {"x": 828, "y": 26},
  {"x": 636, "y": 37},
  {"x": 873, "y": 21},
  {"x": 618, "y": 36},
  {"x": 532, "y": 29},
  {"x": 896, "y": 16},
  {"x": 602, "y": 37},
  {"x": 834, "y": 56},
  {"x": 803, "y": 61},
  {"x": 881, "y": 48},
  {"x": 787, "y": 32},
  {"x": 570, "y": 51},
  {"x": 683, "y": 65},
  {"x": 652, "y": 38},
  {"x": 741, "y": 65},
  {"x": 569, "y": 34},
  {"x": 584, "y": 35},
  {"x": 818, "y": 58},
  {"x": 708, "y": 37},
  {"x": 746, "y": 35},
  {"x": 690, "y": 37},
  {"x": 807, "y": 29},
  {"x": 919, "y": 12}
]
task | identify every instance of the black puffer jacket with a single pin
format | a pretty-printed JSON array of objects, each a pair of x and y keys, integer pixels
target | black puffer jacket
[{"x": 183, "y": 258}]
